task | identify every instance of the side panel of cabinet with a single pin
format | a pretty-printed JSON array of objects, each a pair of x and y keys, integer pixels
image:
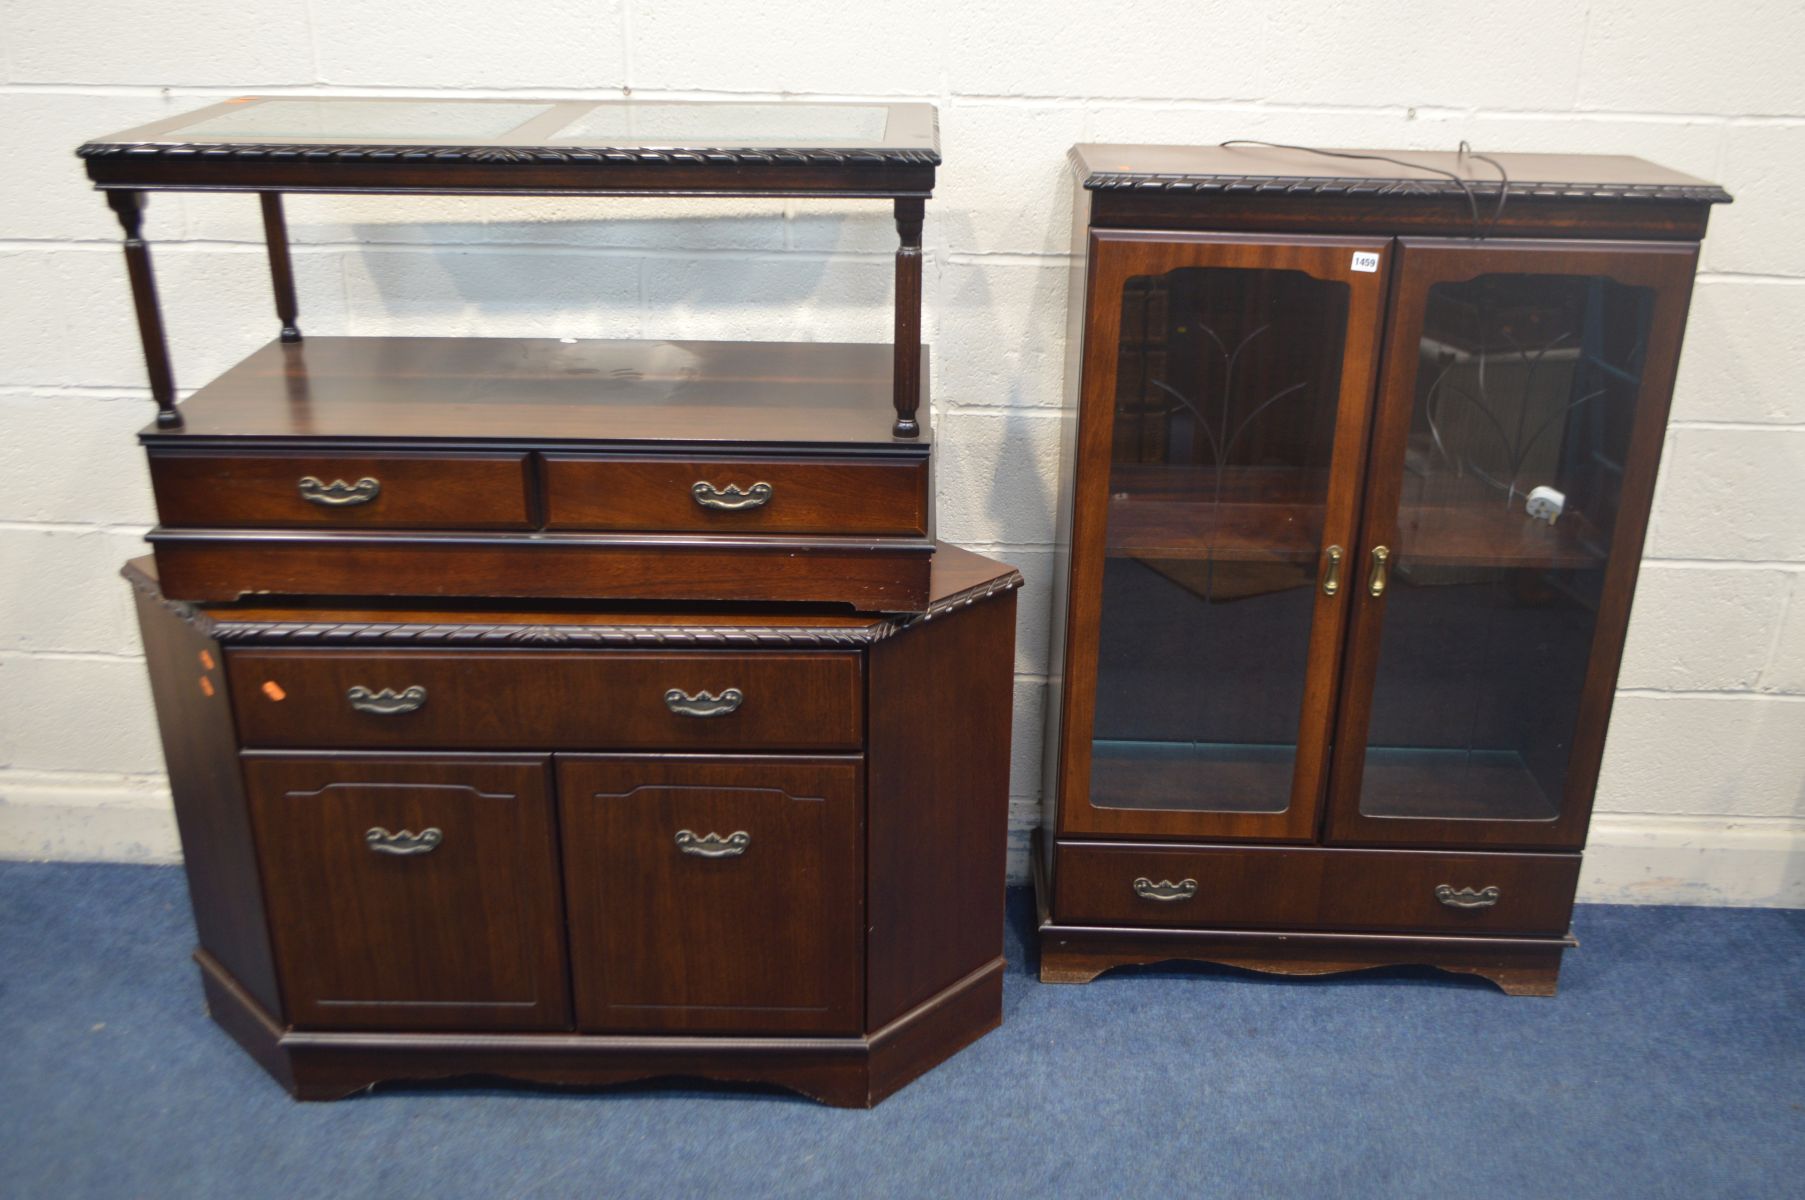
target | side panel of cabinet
[
  {"x": 412, "y": 893},
  {"x": 1226, "y": 385},
  {"x": 1518, "y": 430},
  {"x": 714, "y": 895}
]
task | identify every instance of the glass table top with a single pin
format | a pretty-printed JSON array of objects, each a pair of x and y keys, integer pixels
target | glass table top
[{"x": 329, "y": 121}]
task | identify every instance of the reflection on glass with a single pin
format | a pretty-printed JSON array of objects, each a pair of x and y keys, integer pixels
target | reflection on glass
[
  {"x": 1525, "y": 389},
  {"x": 799, "y": 125},
  {"x": 1227, "y": 382},
  {"x": 352, "y": 120}
]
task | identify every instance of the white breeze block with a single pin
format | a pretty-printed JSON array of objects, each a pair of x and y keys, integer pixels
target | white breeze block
[
  {"x": 1745, "y": 342},
  {"x": 1764, "y": 168},
  {"x": 1740, "y": 606},
  {"x": 44, "y": 191},
  {"x": 998, "y": 477},
  {"x": 60, "y": 591},
  {"x": 774, "y": 297},
  {"x": 1705, "y": 755},
  {"x": 90, "y": 714},
  {"x": 533, "y": 44},
  {"x": 1025, "y": 742},
  {"x": 71, "y": 457},
  {"x": 1671, "y": 56},
  {"x": 1786, "y": 664},
  {"x": 1001, "y": 335},
  {"x": 796, "y": 47},
  {"x": 1730, "y": 494},
  {"x": 1033, "y": 606},
  {"x": 1021, "y": 202},
  {"x": 215, "y": 43},
  {"x": 451, "y": 290}
]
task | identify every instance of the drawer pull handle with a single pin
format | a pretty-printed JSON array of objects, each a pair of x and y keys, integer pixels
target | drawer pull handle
[
  {"x": 1467, "y": 897},
  {"x": 1376, "y": 585},
  {"x": 713, "y": 845},
  {"x": 387, "y": 702},
  {"x": 1165, "y": 891},
  {"x": 1331, "y": 580},
  {"x": 381, "y": 841},
  {"x": 338, "y": 493},
  {"x": 730, "y": 498},
  {"x": 703, "y": 704}
]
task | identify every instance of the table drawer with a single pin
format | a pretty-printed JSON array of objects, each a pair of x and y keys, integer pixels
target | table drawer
[
  {"x": 328, "y": 491},
  {"x": 1272, "y": 887},
  {"x": 495, "y": 700},
  {"x": 733, "y": 495}
]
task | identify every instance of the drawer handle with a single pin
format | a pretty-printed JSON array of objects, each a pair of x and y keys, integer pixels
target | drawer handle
[
  {"x": 338, "y": 493},
  {"x": 703, "y": 704},
  {"x": 1467, "y": 897},
  {"x": 1165, "y": 891},
  {"x": 713, "y": 845},
  {"x": 730, "y": 498},
  {"x": 387, "y": 702},
  {"x": 381, "y": 841}
]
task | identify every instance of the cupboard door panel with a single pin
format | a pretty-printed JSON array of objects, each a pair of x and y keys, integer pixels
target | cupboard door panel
[
  {"x": 1520, "y": 421},
  {"x": 715, "y": 895},
  {"x": 411, "y": 893},
  {"x": 1226, "y": 386}
]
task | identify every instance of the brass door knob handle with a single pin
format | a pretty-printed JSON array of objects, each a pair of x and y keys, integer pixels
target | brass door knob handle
[
  {"x": 387, "y": 702},
  {"x": 730, "y": 498},
  {"x": 703, "y": 704},
  {"x": 1331, "y": 579},
  {"x": 1376, "y": 584},
  {"x": 713, "y": 845},
  {"x": 1165, "y": 891},
  {"x": 406, "y": 841},
  {"x": 1467, "y": 897},
  {"x": 338, "y": 493}
]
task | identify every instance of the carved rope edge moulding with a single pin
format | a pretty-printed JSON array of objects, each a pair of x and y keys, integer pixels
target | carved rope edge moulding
[
  {"x": 490, "y": 155},
  {"x": 494, "y": 633},
  {"x": 1362, "y": 187}
]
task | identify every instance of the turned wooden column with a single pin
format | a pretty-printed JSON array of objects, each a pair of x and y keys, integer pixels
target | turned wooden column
[
  {"x": 907, "y": 372},
  {"x": 128, "y": 206},
  {"x": 282, "y": 274}
]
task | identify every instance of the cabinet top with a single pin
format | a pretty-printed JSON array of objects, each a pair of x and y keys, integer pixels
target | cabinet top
[
  {"x": 344, "y": 143},
  {"x": 1251, "y": 168}
]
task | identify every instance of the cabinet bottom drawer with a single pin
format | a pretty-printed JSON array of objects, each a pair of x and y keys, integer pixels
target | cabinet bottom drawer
[{"x": 1311, "y": 888}]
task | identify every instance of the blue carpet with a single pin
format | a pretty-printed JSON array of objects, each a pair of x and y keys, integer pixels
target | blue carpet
[{"x": 1672, "y": 1064}]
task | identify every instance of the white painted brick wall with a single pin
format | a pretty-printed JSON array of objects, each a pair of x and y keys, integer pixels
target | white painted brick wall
[{"x": 1703, "y": 794}]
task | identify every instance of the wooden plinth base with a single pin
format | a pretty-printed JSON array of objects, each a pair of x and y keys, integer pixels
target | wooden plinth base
[
  {"x": 1080, "y": 953},
  {"x": 845, "y": 1072}
]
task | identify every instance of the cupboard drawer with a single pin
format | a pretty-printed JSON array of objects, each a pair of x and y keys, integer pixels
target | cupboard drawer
[
  {"x": 327, "y": 491},
  {"x": 1258, "y": 887},
  {"x": 727, "y": 495},
  {"x": 411, "y": 894},
  {"x": 714, "y": 895},
  {"x": 499, "y": 700}
]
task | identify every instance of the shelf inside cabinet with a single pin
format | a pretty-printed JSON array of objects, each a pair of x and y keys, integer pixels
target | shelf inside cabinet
[{"x": 525, "y": 391}]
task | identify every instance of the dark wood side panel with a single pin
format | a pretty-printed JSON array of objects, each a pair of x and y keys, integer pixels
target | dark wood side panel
[
  {"x": 412, "y": 893},
  {"x": 713, "y": 895},
  {"x": 652, "y": 494},
  {"x": 868, "y": 577},
  {"x": 1274, "y": 887},
  {"x": 413, "y": 491},
  {"x": 200, "y": 750},
  {"x": 535, "y": 700},
  {"x": 940, "y": 703}
]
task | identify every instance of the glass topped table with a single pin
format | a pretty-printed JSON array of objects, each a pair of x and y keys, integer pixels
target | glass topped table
[{"x": 276, "y": 144}]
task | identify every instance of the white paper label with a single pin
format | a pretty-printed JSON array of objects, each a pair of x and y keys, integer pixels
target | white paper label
[{"x": 1366, "y": 260}]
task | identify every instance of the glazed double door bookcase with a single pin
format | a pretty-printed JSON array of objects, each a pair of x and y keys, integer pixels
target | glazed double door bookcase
[{"x": 1356, "y": 525}]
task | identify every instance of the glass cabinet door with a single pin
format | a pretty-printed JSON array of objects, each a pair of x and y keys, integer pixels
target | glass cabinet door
[
  {"x": 1515, "y": 443},
  {"x": 1226, "y": 386}
]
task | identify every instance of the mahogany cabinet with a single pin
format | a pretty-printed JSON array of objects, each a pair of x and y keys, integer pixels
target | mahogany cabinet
[
  {"x": 591, "y": 844},
  {"x": 1358, "y": 467}
]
